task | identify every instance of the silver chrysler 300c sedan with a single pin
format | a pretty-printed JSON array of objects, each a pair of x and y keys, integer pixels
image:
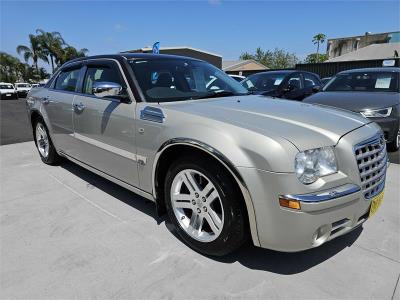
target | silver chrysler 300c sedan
[{"x": 224, "y": 165}]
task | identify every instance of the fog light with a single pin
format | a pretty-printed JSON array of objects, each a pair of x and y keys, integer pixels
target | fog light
[
  {"x": 289, "y": 203},
  {"x": 321, "y": 235}
]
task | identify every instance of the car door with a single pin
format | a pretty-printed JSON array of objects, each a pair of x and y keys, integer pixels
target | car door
[
  {"x": 104, "y": 127},
  {"x": 310, "y": 81},
  {"x": 57, "y": 106},
  {"x": 292, "y": 87}
]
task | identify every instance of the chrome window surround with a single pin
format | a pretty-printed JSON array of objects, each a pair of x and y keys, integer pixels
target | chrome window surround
[
  {"x": 326, "y": 195},
  {"x": 372, "y": 159},
  {"x": 226, "y": 163}
]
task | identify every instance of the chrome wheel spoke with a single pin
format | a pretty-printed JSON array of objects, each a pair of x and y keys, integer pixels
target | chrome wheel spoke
[
  {"x": 192, "y": 181},
  {"x": 183, "y": 204},
  {"x": 214, "y": 221},
  {"x": 196, "y": 224}
]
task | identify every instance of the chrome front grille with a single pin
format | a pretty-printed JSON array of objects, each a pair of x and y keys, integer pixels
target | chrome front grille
[{"x": 371, "y": 159}]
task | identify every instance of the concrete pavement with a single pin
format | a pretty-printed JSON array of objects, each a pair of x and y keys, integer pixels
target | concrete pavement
[{"x": 67, "y": 233}]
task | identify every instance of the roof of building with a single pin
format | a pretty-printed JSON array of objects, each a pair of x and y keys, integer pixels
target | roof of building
[
  {"x": 148, "y": 49},
  {"x": 362, "y": 35},
  {"x": 374, "y": 51},
  {"x": 229, "y": 65}
]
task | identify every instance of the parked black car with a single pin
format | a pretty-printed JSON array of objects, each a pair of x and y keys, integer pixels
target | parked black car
[
  {"x": 288, "y": 84},
  {"x": 373, "y": 92}
]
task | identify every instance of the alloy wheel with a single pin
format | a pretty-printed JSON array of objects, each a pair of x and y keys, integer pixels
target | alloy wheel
[
  {"x": 42, "y": 140},
  {"x": 197, "y": 205}
]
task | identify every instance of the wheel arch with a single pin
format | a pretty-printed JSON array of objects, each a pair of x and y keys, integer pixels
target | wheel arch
[{"x": 174, "y": 148}]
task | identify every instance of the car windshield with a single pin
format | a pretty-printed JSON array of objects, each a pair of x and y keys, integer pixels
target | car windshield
[
  {"x": 166, "y": 80},
  {"x": 22, "y": 85},
  {"x": 264, "y": 81},
  {"x": 364, "y": 82},
  {"x": 6, "y": 87}
]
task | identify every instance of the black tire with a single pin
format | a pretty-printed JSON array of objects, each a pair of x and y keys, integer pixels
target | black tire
[
  {"x": 52, "y": 158},
  {"x": 234, "y": 231},
  {"x": 395, "y": 144}
]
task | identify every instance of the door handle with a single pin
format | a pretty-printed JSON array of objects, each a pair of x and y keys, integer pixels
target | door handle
[
  {"x": 46, "y": 100},
  {"x": 79, "y": 107}
]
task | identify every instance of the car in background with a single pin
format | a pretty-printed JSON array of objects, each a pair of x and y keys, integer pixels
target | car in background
[
  {"x": 288, "y": 84},
  {"x": 7, "y": 91},
  {"x": 34, "y": 85},
  {"x": 22, "y": 89},
  {"x": 372, "y": 92},
  {"x": 325, "y": 80},
  {"x": 238, "y": 78}
]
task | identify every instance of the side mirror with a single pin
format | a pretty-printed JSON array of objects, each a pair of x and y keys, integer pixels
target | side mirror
[
  {"x": 105, "y": 89},
  {"x": 288, "y": 88},
  {"x": 316, "y": 89}
]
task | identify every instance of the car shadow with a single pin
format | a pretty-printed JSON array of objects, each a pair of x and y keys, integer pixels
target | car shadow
[{"x": 248, "y": 255}]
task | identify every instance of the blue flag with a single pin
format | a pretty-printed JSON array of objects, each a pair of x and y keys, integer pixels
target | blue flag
[{"x": 156, "y": 48}]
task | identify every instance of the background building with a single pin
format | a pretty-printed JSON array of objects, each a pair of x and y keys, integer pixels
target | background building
[
  {"x": 212, "y": 58},
  {"x": 340, "y": 46},
  {"x": 242, "y": 67}
]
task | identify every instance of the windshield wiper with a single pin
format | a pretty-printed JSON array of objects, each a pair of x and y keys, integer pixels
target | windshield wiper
[{"x": 219, "y": 94}]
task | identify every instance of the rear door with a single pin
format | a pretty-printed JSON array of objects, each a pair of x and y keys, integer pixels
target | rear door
[
  {"x": 57, "y": 105},
  {"x": 104, "y": 128}
]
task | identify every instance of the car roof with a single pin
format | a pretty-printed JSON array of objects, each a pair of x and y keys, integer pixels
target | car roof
[
  {"x": 380, "y": 69},
  {"x": 119, "y": 56}
]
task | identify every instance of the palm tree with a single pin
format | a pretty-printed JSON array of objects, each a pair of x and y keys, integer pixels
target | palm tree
[
  {"x": 34, "y": 51},
  {"x": 317, "y": 40},
  {"x": 69, "y": 53},
  {"x": 51, "y": 43}
]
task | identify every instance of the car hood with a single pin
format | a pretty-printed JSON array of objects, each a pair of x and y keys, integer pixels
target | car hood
[
  {"x": 307, "y": 126},
  {"x": 355, "y": 101}
]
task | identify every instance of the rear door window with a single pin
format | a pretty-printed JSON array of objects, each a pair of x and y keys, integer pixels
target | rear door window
[{"x": 67, "y": 80}]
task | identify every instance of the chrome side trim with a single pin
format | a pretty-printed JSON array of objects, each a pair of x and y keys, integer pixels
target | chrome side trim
[
  {"x": 226, "y": 163},
  {"x": 153, "y": 114},
  {"x": 326, "y": 195},
  {"x": 107, "y": 147}
]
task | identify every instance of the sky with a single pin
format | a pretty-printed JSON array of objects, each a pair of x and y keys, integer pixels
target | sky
[{"x": 227, "y": 28}]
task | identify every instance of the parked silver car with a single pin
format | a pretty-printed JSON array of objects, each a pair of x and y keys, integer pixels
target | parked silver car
[{"x": 224, "y": 165}]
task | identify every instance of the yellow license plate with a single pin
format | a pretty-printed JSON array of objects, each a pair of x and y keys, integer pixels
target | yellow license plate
[{"x": 375, "y": 203}]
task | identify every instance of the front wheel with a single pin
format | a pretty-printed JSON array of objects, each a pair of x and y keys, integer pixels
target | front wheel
[
  {"x": 205, "y": 206},
  {"x": 45, "y": 146},
  {"x": 395, "y": 144}
]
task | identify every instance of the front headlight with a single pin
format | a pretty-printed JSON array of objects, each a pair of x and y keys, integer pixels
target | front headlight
[
  {"x": 312, "y": 164},
  {"x": 377, "y": 113}
]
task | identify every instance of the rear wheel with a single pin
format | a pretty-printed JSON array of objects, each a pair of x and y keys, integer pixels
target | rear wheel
[
  {"x": 46, "y": 149},
  {"x": 205, "y": 206}
]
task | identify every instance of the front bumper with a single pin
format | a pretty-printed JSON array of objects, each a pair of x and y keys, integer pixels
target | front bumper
[
  {"x": 289, "y": 230},
  {"x": 9, "y": 96},
  {"x": 22, "y": 93},
  {"x": 330, "y": 207}
]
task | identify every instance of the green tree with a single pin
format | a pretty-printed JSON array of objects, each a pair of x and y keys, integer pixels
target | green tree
[
  {"x": 34, "y": 51},
  {"x": 318, "y": 39},
  {"x": 316, "y": 58},
  {"x": 52, "y": 44},
  {"x": 69, "y": 53},
  {"x": 276, "y": 59}
]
